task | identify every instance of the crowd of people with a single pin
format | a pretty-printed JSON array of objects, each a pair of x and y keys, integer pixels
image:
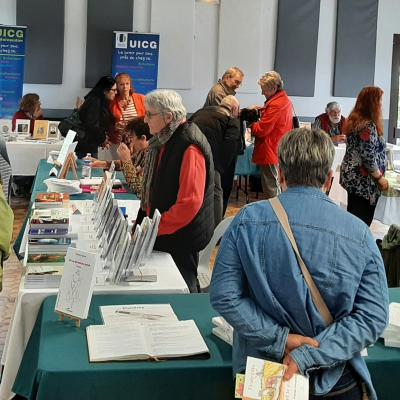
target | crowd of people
[{"x": 185, "y": 169}]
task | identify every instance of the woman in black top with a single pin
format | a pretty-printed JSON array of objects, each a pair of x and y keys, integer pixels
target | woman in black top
[{"x": 96, "y": 117}]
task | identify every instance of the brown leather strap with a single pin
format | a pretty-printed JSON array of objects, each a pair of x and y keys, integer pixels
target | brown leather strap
[{"x": 315, "y": 294}]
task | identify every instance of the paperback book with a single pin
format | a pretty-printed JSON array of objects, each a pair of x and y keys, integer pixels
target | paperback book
[
  {"x": 50, "y": 218},
  {"x": 51, "y": 200},
  {"x": 40, "y": 129},
  {"x": 40, "y": 277},
  {"x": 146, "y": 341},
  {"x": 44, "y": 233}
]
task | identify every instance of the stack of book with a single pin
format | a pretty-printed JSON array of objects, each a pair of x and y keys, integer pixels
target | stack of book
[
  {"x": 51, "y": 200},
  {"x": 43, "y": 276},
  {"x": 391, "y": 335},
  {"x": 48, "y": 241},
  {"x": 222, "y": 329}
]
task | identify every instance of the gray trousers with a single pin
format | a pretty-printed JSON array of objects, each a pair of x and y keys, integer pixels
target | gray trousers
[{"x": 269, "y": 180}]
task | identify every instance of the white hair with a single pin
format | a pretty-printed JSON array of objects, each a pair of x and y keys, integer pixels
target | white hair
[{"x": 163, "y": 101}]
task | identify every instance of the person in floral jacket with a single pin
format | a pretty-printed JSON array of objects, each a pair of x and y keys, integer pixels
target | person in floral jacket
[{"x": 363, "y": 166}]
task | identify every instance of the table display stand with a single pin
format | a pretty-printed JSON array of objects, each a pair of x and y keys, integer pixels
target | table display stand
[
  {"x": 70, "y": 163},
  {"x": 64, "y": 315}
]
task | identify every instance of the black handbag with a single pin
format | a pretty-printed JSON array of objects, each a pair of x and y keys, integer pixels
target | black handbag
[
  {"x": 296, "y": 121},
  {"x": 73, "y": 123}
]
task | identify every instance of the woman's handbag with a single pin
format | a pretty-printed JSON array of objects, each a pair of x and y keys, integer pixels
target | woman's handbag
[
  {"x": 73, "y": 123},
  {"x": 296, "y": 121}
]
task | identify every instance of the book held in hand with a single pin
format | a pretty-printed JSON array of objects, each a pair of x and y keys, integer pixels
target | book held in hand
[
  {"x": 264, "y": 380},
  {"x": 145, "y": 341}
]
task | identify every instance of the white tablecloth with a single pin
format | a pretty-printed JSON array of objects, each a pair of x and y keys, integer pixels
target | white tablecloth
[
  {"x": 25, "y": 155},
  {"x": 29, "y": 301}
]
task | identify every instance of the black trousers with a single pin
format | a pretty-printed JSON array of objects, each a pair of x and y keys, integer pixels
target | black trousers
[
  {"x": 227, "y": 183},
  {"x": 187, "y": 263},
  {"x": 360, "y": 207}
]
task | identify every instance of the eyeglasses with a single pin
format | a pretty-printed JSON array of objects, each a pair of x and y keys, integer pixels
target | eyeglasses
[{"x": 150, "y": 115}]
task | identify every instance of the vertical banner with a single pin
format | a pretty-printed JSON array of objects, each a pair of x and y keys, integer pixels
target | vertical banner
[
  {"x": 12, "y": 56},
  {"x": 137, "y": 55}
]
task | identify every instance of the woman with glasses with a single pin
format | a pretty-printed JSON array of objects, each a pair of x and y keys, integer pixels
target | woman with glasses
[
  {"x": 179, "y": 182},
  {"x": 131, "y": 154},
  {"x": 125, "y": 106},
  {"x": 96, "y": 117},
  {"x": 29, "y": 108}
]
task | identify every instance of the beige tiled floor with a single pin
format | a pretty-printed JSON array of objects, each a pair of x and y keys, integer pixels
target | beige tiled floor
[{"x": 13, "y": 269}]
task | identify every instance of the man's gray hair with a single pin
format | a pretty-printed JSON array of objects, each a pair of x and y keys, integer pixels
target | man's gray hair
[
  {"x": 163, "y": 101},
  {"x": 305, "y": 157},
  {"x": 232, "y": 71},
  {"x": 333, "y": 105}
]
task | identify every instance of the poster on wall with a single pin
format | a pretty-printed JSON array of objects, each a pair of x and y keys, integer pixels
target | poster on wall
[
  {"x": 12, "y": 57},
  {"x": 137, "y": 55}
]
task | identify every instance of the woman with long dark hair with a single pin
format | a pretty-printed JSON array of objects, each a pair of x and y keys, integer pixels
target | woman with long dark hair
[
  {"x": 363, "y": 166},
  {"x": 96, "y": 117}
]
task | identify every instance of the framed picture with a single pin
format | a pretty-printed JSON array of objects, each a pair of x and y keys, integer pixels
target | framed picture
[
  {"x": 22, "y": 126},
  {"x": 40, "y": 129},
  {"x": 5, "y": 126},
  {"x": 53, "y": 132}
]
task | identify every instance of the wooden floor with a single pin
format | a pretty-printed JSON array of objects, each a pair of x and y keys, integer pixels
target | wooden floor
[{"x": 13, "y": 268}]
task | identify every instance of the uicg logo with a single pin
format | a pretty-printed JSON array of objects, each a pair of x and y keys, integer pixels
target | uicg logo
[{"x": 121, "y": 40}]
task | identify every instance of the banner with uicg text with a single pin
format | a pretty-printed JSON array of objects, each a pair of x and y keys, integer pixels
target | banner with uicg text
[
  {"x": 12, "y": 57},
  {"x": 137, "y": 55}
]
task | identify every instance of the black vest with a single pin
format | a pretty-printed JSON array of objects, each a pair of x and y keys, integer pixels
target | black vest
[{"x": 165, "y": 186}]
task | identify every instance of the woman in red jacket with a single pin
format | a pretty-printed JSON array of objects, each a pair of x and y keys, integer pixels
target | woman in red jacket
[
  {"x": 126, "y": 106},
  {"x": 276, "y": 120}
]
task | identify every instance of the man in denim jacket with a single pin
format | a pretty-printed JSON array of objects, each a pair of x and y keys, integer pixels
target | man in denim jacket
[{"x": 257, "y": 285}]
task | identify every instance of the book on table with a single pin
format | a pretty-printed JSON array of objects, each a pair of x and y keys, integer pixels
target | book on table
[
  {"x": 57, "y": 259},
  {"x": 40, "y": 129},
  {"x": 51, "y": 200},
  {"x": 44, "y": 233},
  {"x": 50, "y": 218},
  {"x": 44, "y": 245},
  {"x": 145, "y": 341},
  {"x": 43, "y": 276}
]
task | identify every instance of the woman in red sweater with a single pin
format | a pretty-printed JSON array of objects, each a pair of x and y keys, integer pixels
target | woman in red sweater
[
  {"x": 276, "y": 120},
  {"x": 29, "y": 108}
]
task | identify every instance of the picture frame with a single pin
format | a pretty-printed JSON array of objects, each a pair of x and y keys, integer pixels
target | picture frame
[
  {"x": 23, "y": 126},
  {"x": 5, "y": 127},
  {"x": 40, "y": 129},
  {"x": 53, "y": 133}
]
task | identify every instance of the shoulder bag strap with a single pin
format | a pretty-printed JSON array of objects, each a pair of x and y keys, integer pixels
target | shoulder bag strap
[{"x": 315, "y": 294}]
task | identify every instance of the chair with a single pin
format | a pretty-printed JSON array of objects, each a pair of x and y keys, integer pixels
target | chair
[{"x": 203, "y": 271}]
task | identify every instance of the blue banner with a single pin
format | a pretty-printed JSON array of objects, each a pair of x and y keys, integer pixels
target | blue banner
[
  {"x": 12, "y": 57},
  {"x": 137, "y": 55}
]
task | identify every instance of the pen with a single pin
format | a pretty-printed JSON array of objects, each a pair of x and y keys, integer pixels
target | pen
[{"x": 139, "y": 314}]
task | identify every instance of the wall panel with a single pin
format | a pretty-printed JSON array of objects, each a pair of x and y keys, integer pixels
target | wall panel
[
  {"x": 296, "y": 45},
  {"x": 44, "y": 55}
]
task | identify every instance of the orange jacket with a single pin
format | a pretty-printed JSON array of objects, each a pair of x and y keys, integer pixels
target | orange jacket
[
  {"x": 276, "y": 120},
  {"x": 138, "y": 101}
]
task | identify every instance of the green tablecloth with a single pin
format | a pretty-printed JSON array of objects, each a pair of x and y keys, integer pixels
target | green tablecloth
[
  {"x": 39, "y": 186},
  {"x": 56, "y": 364}
]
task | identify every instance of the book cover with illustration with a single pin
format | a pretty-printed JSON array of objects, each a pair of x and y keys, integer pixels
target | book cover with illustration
[{"x": 40, "y": 129}]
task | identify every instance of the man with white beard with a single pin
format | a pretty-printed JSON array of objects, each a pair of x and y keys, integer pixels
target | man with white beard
[{"x": 332, "y": 121}]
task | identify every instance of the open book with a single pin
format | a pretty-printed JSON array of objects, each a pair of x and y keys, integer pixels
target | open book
[{"x": 139, "y": 341}]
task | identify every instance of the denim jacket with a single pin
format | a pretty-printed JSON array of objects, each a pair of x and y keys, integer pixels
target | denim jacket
[{"x": 257, "y": 286}]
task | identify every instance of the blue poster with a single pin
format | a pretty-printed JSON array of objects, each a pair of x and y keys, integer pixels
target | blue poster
[
  {"x": 137, "y": 55},
  {"x": 12, "y": 57}
]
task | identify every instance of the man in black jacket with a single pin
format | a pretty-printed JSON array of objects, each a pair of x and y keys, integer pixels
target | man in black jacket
[{"x": 221, "y": 127}]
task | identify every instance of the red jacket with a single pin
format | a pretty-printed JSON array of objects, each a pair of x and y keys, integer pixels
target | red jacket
[
  {"x": 138, "y": 101},
  {"x": 276, "y": 120}
]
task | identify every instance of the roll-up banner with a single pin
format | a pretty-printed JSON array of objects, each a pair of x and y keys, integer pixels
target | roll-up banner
[
  {"x": 137, "y": 55},
  {"x": 12, "y": 57}
]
